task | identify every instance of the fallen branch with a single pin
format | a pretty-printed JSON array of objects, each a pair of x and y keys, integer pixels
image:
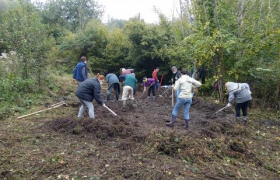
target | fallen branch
[{"x": 52, "y": 107}]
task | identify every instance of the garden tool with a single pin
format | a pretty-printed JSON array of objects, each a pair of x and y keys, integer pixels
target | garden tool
[
  {"x": 110, "y": 110},
  {"x": 220, "y": 110},
  {"x": 145, "y": 91}
]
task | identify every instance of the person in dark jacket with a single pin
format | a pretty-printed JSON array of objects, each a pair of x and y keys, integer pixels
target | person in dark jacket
[
  {"x": 175, "y": 76},
  {"x": 87, "y": 91},
  {"x": 202, "y": 73},
  {"x": 113, "y": 82},
  {"x": 241, "y": 92},
  {"x": 80, "y": 71}
]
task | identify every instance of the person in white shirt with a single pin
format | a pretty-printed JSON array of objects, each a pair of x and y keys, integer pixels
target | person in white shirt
[{"x": 184, "y": 85}]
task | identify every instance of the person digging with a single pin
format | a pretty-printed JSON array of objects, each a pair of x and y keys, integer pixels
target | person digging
[
  {"x": 184, "y": 85},
  {"x": 113, "y": 82},
  {"x": 87, "y": 91},
  {"x": 150, "y": 83},
  {"x": 129, "y": 90},
  {"x": 242, "y": 94}
]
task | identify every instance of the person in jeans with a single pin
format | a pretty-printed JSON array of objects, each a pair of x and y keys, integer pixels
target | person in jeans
[
  {"x": 151, "y": 84},
  {"x": 241, "y": 92},
  {"x": 184, "y": 85},
  {"x": 80, "y": 71},
  {"x": 129, "y": 89},
  {"x": 87, "y": 91},
  {"x": 113, "y": 82},
  {"x": 155, "y": 76}
]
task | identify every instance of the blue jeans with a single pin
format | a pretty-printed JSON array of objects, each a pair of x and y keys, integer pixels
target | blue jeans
[
  {"x": 177, "y": 94},
  {"x": 90, "y": 107},
  {"x": 187, "y": 104},
  {"x": 157, "y": 85}
]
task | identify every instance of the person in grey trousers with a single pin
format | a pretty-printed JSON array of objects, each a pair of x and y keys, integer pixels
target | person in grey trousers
[{"x": 242, "y": 94}]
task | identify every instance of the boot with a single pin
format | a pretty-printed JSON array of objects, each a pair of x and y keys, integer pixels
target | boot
[
  {"x": 238, "y": 119},
  {"x": 172, "y": 121},
  {"x": 186, "y": 124},
  {"x": 244, "y": 118}
]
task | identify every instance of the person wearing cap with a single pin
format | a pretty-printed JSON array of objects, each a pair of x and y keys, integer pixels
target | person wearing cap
[
  {"x": 242, "y": 94},
  {"x": 80, "y": 71},
  {"x": 175, "y": 76},
  {"x": 151, "y": 84},
  {"x": 113, "y": 82},
  {"x": 184, "y": 85},
  {"x": 155, "y": 76},
  {"x": 129, "y": 89},
  {"x": 87, "y": 91}
]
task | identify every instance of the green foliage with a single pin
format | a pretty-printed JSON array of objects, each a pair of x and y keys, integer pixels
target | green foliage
[
  {"x": 70, "y": 14},
  {"x": 22, "y": 31}
]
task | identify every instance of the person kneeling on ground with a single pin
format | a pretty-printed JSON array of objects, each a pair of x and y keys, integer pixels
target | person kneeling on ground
[
  {"x": 129, "y": 89},
  {"x": 151, "y": 84},
  {"x": 241, "y": 92},
  {"x": 184, "y": 85},
  {"x": 113, "y": 82},
  {"x": 87, "y": 91}
]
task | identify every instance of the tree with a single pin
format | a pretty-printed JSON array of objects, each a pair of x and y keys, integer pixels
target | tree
[{"x": 23, "y": 32}]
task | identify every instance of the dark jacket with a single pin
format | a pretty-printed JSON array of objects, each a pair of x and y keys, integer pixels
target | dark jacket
[
  {"x": 176, "y": 76},
  {"x": 89, "y": 90},
  {"x": 80, "y": 71}
]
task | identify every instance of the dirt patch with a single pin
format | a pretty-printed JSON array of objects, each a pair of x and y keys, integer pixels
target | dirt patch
[
  {"x": 138, "y": 144},
  {"x": 100, "y": 129}
]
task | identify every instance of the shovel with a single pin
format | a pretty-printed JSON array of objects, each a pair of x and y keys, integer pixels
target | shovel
[
  {"x": 220, "y": 110},
  {"x": 110, "y": 110},
  {"x": 145, "y": 91}
]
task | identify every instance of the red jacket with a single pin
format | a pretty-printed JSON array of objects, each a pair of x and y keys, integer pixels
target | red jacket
[{"x": 154, "y": 75}]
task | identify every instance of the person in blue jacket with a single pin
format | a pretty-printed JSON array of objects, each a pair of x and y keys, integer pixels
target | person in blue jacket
[
  {"x": 87, "y": 91},
  {"x": 113, "y": 82},
  {"x": 80, "y": 71}
]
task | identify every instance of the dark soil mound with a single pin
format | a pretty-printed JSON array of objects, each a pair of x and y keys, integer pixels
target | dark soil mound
[{"x": 100, "y": 129}]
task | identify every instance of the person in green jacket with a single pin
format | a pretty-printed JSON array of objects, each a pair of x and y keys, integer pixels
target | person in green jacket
[{"x": 129, "y": 89}]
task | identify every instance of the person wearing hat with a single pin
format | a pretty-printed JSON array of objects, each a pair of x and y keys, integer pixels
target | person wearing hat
[
  {"x": 175, "y": 76},
  {"x": 87, "y": 91},
  {"x": 242, "y": 94},
  {"x": 184, "y": 85},
  {"x": 151, "y": 84}
]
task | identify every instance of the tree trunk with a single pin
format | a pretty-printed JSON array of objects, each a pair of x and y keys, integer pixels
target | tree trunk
[{"x": 182, "y": 23}]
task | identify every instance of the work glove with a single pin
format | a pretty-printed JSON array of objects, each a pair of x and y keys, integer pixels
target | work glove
[
  {"x": 228, "y": 105},
  {"x": 103, "y": 105}
]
